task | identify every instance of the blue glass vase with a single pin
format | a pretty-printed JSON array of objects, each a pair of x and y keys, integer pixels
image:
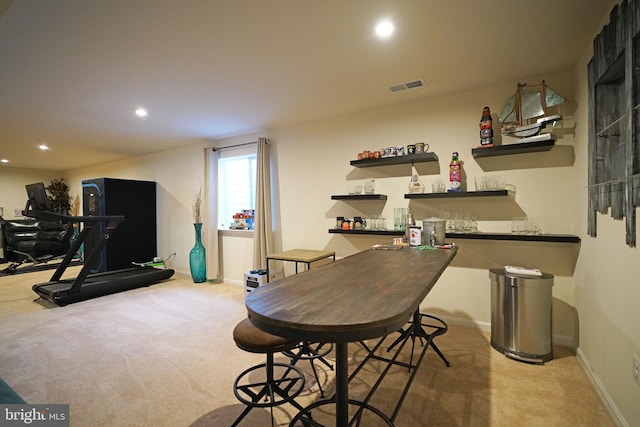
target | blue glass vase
[
  {"x": 74, "y": 237},
  {"x": 198, "y": 258}
]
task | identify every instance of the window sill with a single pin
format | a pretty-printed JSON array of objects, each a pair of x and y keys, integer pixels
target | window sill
[{"x": 236, "y": 233}]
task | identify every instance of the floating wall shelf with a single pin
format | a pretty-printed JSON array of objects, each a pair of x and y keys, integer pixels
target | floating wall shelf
[
  {"x": 359, "y": 197},
  {"x": 550, "y": 238},
  {"x": 369, "y": 232},
  {"x": 457, "y": 194},
  {"x": 515, "y": 148},
  {"x": 397, "y": 160},
  {"x": 557, "y": 238}
]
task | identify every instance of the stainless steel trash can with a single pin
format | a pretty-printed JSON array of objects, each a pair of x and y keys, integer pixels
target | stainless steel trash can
[{"x": 521, "y": 315}]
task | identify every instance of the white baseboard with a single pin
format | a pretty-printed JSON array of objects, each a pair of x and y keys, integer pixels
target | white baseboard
[
  {"x": 618, "y": 418},
  {"x": 467, "y": 323},
  {"x": 563, "y": 340}
]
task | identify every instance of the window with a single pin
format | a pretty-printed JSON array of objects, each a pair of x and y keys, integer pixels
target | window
[{"x": 236, "y": 188}]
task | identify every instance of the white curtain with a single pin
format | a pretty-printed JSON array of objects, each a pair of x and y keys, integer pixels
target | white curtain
[
  {"x": 211, "y": 213},
  {"x": 262, "y": 234}
]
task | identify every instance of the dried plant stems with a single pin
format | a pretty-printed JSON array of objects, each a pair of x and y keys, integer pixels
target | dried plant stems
[
  {"x": 75, "y": 207},
  {"x": 197, "y": 207}
]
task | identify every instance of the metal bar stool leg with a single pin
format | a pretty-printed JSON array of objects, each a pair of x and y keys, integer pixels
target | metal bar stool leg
[
  {"x": 417, "y": 328},
  {"x": 439, "y": 329},
  {"x": 311, "y": 352},
  {"x": 275, "y": 389}
]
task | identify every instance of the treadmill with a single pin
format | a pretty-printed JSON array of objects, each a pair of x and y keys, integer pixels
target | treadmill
[{"x": 85, "y": 286}]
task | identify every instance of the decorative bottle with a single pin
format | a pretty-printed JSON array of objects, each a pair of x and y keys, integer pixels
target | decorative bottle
[
  {"x": 198, "y": 257},
  {"x": 409, "y": 222},
  {"x": 486, "y": 128},
  {"x": 454, "y": 172}
]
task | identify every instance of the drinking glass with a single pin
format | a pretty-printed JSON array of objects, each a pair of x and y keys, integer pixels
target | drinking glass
[
  {"x": 473, "y": 224},
  {"x": 382, "y": 223},
  {"x": 437, "y": 186},
  {"x": 355, "y": 187},
  {"x": 457, "y": 224},
  {"x": 492, "y": 183},
  {"x": 517, "y": 225},
  {"x": 449, "y": 223},
  {"x": 467, "y": 222},
  {"x": 372, "y": 223},
  {"x": 531, "y": 226},
  {"x": 399, "y": 218},
  {"x": 481, "y": 183},
  {"x": 369, "y": 186}
]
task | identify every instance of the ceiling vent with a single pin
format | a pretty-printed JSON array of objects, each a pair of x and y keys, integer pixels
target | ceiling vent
[{"x": 408, "y": 85}]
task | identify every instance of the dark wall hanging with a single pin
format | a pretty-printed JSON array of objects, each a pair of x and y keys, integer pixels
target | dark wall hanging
[{"x": 614, "y": 120}]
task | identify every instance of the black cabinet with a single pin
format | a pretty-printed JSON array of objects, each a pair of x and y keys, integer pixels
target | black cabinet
[{"x": 135, "y": 239}]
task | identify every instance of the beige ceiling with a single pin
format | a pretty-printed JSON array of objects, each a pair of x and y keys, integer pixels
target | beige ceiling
[{"x": 73, "y": 71}]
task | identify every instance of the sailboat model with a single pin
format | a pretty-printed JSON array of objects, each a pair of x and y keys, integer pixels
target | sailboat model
[{"x": 530, "y": 103}]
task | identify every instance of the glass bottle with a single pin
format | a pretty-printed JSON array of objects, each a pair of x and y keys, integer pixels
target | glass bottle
[
  {"x": 407, "y": 226},
  {"x": 454, "y": 172}
]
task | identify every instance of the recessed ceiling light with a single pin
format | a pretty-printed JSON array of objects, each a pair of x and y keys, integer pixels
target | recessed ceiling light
[
  {"x": 4, "y": 160},
  {"x": 384, "y": 28},
  {"x": 43, "y": 147},
  {"x": 141, "y": 112}
]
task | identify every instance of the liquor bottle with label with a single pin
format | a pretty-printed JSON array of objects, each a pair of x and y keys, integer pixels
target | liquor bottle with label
[
  {"x": 486, "y": 128},
  {"x": 455, "y": 173}
]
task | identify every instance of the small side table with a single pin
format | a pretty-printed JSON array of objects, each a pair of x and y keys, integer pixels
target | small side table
[{"x": 305, "y": 256}]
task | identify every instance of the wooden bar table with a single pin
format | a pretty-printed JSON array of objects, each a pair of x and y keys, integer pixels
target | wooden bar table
[{"x": 363, "y": 296}]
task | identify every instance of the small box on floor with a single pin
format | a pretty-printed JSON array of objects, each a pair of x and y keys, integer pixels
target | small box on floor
[{"x": 254, "y": 278}]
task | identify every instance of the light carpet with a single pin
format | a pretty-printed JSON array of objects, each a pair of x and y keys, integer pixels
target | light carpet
[
  {"x": 157, "y": 356},
  {"x": 164, "y": 356}
]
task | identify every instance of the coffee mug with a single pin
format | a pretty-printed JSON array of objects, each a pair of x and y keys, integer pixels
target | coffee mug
[
  {"x": 359, "y": 222},
  {"x": 421, "y": 147},
  {"x": 411, "y": 149}
]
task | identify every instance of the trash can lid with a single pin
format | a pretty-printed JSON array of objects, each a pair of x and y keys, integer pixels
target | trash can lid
[{"x": 522, "y": 274}]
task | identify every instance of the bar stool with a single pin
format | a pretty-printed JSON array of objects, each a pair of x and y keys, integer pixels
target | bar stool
[
  {"x": 306, "y": 350},
  {"x": 272, "y": 390},
  {"x": 418, "y": 328}
]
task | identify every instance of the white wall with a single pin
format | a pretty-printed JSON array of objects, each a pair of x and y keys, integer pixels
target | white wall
[
  {"x": 607, "y": 288},
  {"x": 13, "y": 195},
  {"x": 596, "y": 287},
  {"x": 312, "y": 163},
  {"x": 179, "y": 174}
]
